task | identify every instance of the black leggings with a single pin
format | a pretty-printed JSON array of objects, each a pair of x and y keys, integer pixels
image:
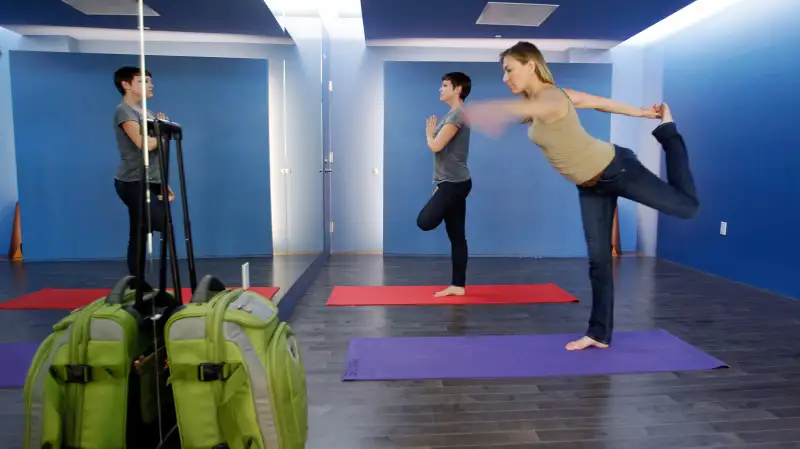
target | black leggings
[
  {"x": 132, "y": 194},
  {"x": 449, "y": 204}
]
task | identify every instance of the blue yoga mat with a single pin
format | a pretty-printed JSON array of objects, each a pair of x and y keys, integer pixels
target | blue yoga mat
[
  {"x": 17, "y": 358},
  {"x": 507, "y": 356}
]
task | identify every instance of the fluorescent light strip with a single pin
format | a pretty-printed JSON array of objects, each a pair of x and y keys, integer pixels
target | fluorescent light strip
[
  {"x": 686, "y": 17},
  {"x": 303, "y": 18}
]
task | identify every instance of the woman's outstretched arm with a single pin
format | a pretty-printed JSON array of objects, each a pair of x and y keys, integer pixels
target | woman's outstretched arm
[
  {"x": 493, "y": 115},
  {"x": 582, "y": 100}
]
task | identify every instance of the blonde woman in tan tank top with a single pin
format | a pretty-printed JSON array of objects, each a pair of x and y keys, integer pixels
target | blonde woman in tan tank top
[{"x": 601, "y": 170}]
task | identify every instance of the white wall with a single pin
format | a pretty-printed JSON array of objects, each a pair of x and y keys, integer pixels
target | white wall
[
  {"x": 302, "y": 152},
  {"x": 357, "y": 104},
  {"x": 637, "y": 79},
  {"x": 8, "y": 165},
  {"x": 356, "y": 128},
  {"x": 294, "y": 115}
]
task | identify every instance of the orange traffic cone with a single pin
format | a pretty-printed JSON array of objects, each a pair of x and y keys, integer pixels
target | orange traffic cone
[
  {"x": 15, "y": 252},
  {"x": 616, "y": 248}
]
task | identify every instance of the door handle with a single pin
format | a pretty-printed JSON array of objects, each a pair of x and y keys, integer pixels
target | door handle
[{"x": 326, "y": 170}]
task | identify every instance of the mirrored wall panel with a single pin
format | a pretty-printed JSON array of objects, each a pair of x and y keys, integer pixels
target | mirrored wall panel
[
  {"x": 150, "y": 144},
  {"x": 238, "y": 127}
]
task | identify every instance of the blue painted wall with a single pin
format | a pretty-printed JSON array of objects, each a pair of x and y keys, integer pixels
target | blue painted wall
[
  {"x": 66, "y": 153},
  {"x": 731, "y": 81},
  {"x": 518, "y": 205}
]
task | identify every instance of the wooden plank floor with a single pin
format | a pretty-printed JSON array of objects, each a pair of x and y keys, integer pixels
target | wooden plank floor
[
  {"x": 35, "y": 325},
  {"x": 754, "y": 404}
]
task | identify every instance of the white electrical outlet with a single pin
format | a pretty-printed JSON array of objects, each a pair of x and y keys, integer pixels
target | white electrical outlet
[{"x": 723, "y": 228}]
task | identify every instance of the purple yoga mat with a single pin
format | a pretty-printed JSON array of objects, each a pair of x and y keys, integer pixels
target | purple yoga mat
[
  {"x": 506, "y": 356},
  {"x": 17, "y": 358}
]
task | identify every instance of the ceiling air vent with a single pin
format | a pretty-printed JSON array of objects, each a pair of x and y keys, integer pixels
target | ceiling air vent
[
  {"x": 515, "y": 14},
  {"x": 110, "y": 7}
]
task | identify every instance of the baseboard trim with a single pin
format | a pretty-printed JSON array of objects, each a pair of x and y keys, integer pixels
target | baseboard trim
[
  {"x": 296, "y": 292},
  {"x": 376, "y": 252},
  {"x": 296, "y": 253}
]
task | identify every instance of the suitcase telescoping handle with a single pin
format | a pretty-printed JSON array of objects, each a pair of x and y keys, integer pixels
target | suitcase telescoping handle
[
  {"x": 206, "y": 289},
  {"x": 118, "y": 292},
  {"x": 166, "y": 131},
  {"x": 163, "y": 134}
]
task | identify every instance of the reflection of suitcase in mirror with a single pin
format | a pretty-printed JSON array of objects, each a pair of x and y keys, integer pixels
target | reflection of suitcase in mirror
[
  {"x": 236, "y": 372},
  {"x": 100, "y": 380},
  {"x": 93, "y": 382}
]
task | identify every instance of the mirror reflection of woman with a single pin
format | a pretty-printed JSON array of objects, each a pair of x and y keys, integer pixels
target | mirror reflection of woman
[{"x": 128, "y": 179}]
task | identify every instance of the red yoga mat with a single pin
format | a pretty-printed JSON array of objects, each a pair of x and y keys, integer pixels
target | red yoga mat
[
  {"x": 70, "y": 299},
  {"x": 423, "y": 295}
]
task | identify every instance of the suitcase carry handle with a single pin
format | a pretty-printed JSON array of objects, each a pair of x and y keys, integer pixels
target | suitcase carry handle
[
  {"x": 206, "y": 286},
  {"x": 118, "y": 292}
]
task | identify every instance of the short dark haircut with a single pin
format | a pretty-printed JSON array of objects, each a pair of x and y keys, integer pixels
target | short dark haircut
[
  {"x": 459, "y": 79},
  {"x": 127, "y": 74}
]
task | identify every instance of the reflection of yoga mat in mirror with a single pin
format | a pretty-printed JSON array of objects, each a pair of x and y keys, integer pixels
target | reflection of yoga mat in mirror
[
  {"x": 16, "y": 357},
  {"x": 69, "y": 299},
  {"x": 513, "y": 356}
]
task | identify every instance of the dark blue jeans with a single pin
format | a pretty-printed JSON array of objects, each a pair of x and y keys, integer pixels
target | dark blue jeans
[
  {"x": 626, "y": 177},
  {"x": 132, "y": 194}
]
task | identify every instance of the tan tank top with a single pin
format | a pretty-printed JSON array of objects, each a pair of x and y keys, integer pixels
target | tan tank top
[{"x": 575, "y": 154}]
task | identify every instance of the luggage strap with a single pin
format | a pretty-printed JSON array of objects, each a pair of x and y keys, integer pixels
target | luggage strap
[
  {"x": 80, "y": 374},
  {"x": 231, "y": 375}
]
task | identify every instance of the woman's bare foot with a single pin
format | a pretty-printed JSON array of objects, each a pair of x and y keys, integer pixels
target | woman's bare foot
[
  {"x": 451, "y": 291},
  {"x": 666, "y": 115},
  {"x": 583, "y": 343}
]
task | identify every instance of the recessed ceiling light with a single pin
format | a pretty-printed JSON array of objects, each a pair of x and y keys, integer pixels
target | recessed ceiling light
[
  {"x": 515, "y": 14},
  {"x": 110, "y": 7}
]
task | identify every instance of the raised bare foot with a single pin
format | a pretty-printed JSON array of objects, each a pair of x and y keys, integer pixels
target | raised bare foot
[
  {"x": 583, "y": 343},
  {"x": 666, "y": 115},
  {"x": 451, "y": 291}
]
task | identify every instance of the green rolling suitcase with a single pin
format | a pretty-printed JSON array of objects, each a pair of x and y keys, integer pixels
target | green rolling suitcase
[
  {"x": 95, "y": 383},
  {"x": 236, "y": 372}
]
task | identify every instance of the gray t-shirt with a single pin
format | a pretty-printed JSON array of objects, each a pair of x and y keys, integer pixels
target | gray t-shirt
[
  {"x": 131, "y": 157},
  {"x": 450, "y": 164}
]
